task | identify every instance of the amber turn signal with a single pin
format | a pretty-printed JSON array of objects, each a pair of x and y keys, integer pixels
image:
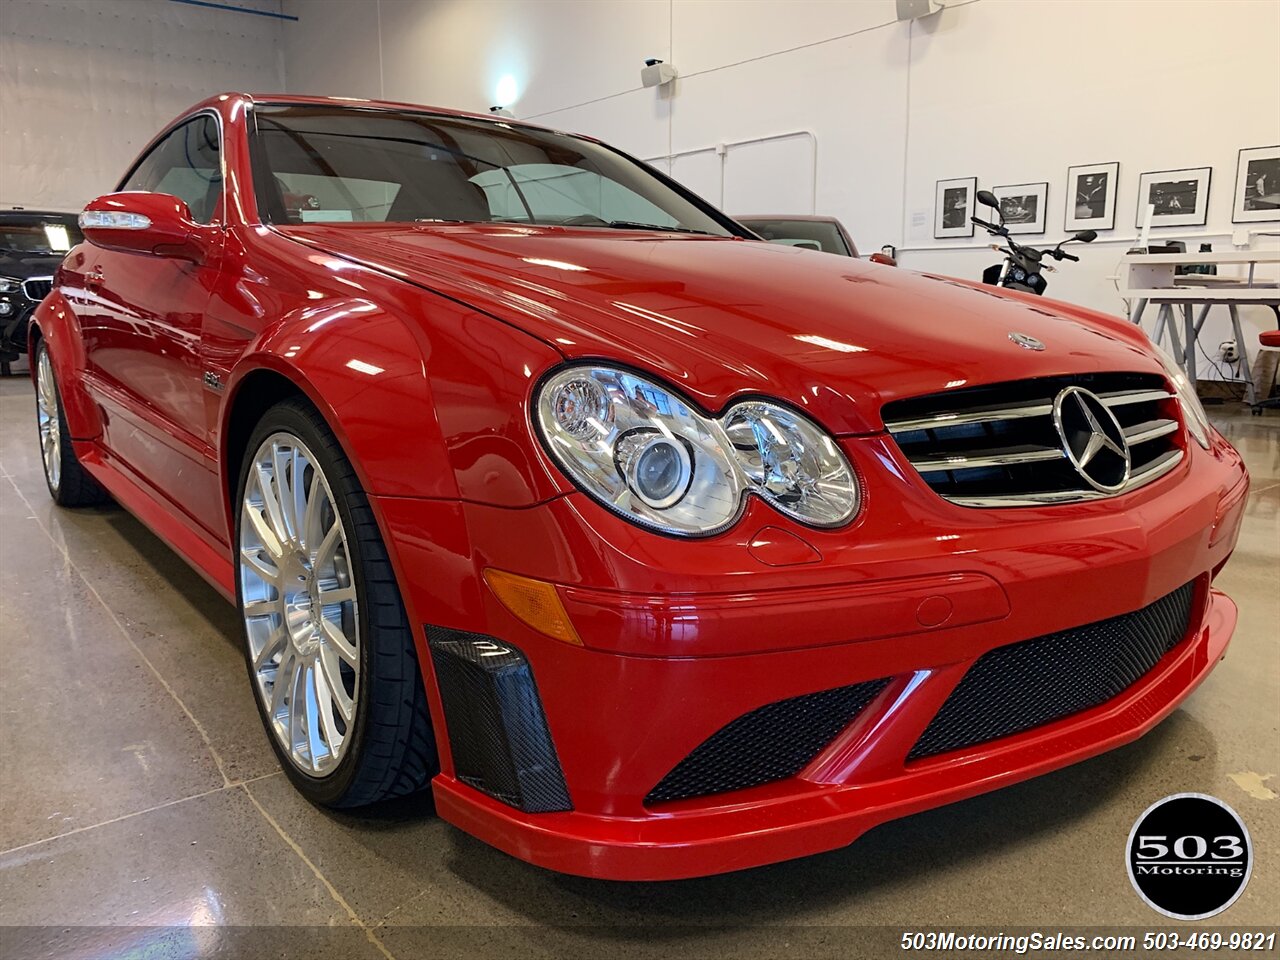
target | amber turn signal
[{"x": 534, "y": 602}]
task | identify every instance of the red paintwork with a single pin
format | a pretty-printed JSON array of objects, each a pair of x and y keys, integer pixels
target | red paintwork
[{"x": 453, "y": 326}]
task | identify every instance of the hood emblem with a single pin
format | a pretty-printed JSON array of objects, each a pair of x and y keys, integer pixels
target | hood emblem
[
  {"x": 1026, "y": 342},
  {"x": 1092, "y": 439}
]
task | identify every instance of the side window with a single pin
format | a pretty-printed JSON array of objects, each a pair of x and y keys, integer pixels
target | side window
[{"x": 185, "y": 164}]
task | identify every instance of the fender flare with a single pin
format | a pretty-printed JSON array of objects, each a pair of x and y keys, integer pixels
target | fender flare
[{"x": 54, "y": 321}]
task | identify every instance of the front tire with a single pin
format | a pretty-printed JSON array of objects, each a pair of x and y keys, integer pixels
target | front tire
[
  {"x": 69, "y": 483},
  {"x": 328, "y": 646}
]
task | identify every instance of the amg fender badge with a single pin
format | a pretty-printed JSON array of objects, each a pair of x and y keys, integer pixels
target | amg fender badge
[{"x": 213, "y": 381}]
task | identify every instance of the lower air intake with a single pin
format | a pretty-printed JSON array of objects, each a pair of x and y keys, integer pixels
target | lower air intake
[
  {"x": 1024, "y": 685},
  {"x": 497, "y": 731},
  {"x": 771, "y": 743}
]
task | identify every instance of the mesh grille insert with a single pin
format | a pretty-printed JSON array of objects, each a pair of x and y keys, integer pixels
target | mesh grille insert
[
  {"x": 1024, "y": 685},
  {"x": 767, "y": 744}
]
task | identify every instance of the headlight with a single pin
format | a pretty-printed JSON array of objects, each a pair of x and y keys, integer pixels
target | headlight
[
  {"x": 646, "y": 453},
  {"x": 10, "y": 285},
  {"x": 792, "y": 463},
  {"x": 1192, "y": 409}
]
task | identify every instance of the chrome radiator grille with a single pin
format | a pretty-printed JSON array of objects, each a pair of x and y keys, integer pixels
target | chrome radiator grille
[
  {"x": 1032, "y": 442},
  {"x": 37, "y": 288}
]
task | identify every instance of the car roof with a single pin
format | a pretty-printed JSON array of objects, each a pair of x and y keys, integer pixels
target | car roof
[{"x": 302, "y": 100}]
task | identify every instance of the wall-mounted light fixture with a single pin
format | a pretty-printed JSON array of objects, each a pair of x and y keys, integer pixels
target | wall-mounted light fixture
[{"x": 655, "y": 73}]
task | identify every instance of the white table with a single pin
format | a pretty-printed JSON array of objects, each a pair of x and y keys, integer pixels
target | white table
[{"x": 1153, "y": 278}]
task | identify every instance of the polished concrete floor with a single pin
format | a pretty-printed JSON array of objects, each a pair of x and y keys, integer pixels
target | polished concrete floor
[{"x": 141, "y": 802}]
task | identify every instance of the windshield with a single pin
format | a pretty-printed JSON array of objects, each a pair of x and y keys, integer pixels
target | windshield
[
  {"x": 47, "y": 236},
  {"x": 815, "y": 234},
  {"x": 334, "y": 164}
]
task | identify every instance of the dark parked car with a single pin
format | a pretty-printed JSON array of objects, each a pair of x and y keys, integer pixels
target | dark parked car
[
  {"x": 817, "y": 233},
  {"x": 32, "y": 244}
]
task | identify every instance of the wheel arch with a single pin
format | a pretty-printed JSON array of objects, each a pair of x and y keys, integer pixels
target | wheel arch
[
  {"x": 257, "y": 392},
  {"x": 54, "y": 322},
  {"x": 262, "y": 381}
]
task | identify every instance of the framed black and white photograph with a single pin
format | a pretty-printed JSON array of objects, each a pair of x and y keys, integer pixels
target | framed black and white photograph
[
  {"x": 1257, "y": 185},
  {"x": 1180, "y": 197},
  {"x": 1023, "y": 206},
  {"x": 953, "y": 207},
  {"x": 1091, "y": 196}
]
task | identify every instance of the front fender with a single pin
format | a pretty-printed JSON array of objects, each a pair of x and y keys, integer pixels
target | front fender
[
  {"x": 430, "y": 405},
  {"x": 54, "y": 320}
]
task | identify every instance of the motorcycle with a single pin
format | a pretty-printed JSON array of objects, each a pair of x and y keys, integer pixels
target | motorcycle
[{"x": 1024, "y": 267}]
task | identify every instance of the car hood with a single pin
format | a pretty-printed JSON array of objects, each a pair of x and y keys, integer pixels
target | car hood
[
  {"x": 20, "y": 266},
  {"x": 722, "y": 318}
]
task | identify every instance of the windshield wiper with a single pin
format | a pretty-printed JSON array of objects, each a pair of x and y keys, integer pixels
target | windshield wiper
[
  {"x": 518, "y": 223},
  {"x": 666, "y": 228}
]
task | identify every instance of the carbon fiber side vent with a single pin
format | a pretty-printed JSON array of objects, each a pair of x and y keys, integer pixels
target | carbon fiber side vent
[{"x": 497, "y": 730}]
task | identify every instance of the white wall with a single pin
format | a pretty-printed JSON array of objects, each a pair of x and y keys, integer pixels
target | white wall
[
  {"x": 84, "y": 84},
  {"x": 1153, "y": 86},
  {"x": 876, "y": 110}
]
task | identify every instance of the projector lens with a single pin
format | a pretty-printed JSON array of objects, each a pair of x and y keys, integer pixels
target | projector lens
[{"x": 657, "y": 467}]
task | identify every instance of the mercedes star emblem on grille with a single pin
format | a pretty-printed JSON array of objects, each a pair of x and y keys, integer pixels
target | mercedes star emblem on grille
[
  {"x": 1092, "y": 439},
  {"x": 1026, "y": 342}
]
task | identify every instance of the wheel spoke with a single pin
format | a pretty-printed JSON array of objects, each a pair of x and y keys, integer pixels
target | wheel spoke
[
  {"x": 336, "y": 595},
  {"x": 338, "y": 641},
  {"x": 271, "y": 506},
  {"x": 311, "y": 514},
  {"x": 327, "y": 545},
  {"x": 274, "y": 644},
  {"x": 332, "y": 671},
  {"x": 280, "y": 687},
  {"x": 311, "y": 694},
  {"x": 298, "y": 705},
  {"x": 327, "y": 694},
  {"x": 263, "y": 528},
  {"x": 261, "y": 608},
  {"x": 297, "y": 497},
  {"x": 251, "y": 558},
  {"x": 284, "y": 461}
]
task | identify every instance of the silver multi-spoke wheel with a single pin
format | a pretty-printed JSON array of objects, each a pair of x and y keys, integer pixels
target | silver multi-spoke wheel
[
  {"x": 299, "y": 604},
  {"x": 47, "y": 417}
]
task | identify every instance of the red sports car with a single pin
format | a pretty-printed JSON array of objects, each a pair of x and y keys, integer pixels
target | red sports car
[{"x": 655, "y": 549}]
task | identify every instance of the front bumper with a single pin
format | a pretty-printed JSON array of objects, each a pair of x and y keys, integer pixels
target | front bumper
[{"x": 680, "y": 638}]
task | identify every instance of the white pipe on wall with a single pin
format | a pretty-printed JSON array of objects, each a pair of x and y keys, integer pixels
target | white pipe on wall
[{"x": 723, "y": 150}]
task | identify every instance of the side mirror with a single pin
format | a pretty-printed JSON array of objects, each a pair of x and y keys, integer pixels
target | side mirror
[
  {"x": 884, "y": 258},
  {"x": 1086, "y": 236},
  {"x": 155, "y": 224},
  {"x": 987, "y": 199}
]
